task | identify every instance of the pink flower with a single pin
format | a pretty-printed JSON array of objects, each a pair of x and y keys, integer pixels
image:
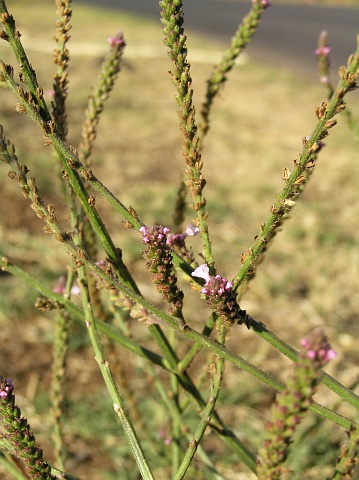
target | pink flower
[
  {"x": 265, "y": 3},
  {"x": 153, "y": 234},
  {"x": 60, "y": 287},
  {"x": 322, "y": 51},
  {"x": 117, "y": 39},
  {"x": 8, "y": 387},
  {"x": 166, "y": 438},
  {"x": 317, "y": 346}
]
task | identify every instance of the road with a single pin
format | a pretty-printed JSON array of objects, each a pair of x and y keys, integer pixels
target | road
[{"x": 287, "y": 35}]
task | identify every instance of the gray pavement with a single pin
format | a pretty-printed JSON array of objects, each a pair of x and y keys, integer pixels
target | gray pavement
[{"x": 287, "y": 35}]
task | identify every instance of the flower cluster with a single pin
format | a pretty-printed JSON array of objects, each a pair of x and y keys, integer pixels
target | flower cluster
[
  {"x": 322, "y": 51},
  {"x": 159, "y": 262},
  {"x": 322, "y": 54},
  {"x": 19, "y": 435},
  {"x": 6, "y": 387},
  {"x": 221, "y": 297},
  {"x": 318, "y": 348},
  {"x": 292, "y": 403},
  {"x": 117, "y": 40}
]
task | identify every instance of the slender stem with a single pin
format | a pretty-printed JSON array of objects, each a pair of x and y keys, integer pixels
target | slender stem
[
  {"x": 177, "y": 422},
  {"x": 295, "y": 180},
  {"x": 100, "y": 93},
  {"x": 175, "y": 39},
  {"x": 115, "y": 396},
  {"x": 113, "y": 333},
  {"x": 61, "y": 59},
  {"x": 36, "y": 108},
  {"x": 170, "y": 363},
  {"x": 217, "y": 369},
  {"x": 29, "y": 75},
  {"x": 205, "y": 342},
  {"x": 172, "y": 407},
  {"x": 207, "y": 330}
]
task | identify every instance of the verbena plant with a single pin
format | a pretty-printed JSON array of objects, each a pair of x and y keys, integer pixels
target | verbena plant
[{"x": 101, "y": 292}]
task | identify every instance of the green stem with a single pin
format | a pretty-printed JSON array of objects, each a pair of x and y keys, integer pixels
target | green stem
[
  {"x": 100, "y": 93},
  {"x": 37, "y": 110},
  {"x": 61, "y": 59},
  {"x": 177, "y": 423},
  {"x": 175, "y": 39},
  {"x": 13, "y": 37},
  {"x": 207, "y": 330},
  {"x": 59, "y": 301},
  {"x": 204, "y": 342},
  {"x": 285, "y": 200},
  {"x": 115, "y": 396},
  {"x": 216, "y": 384}
]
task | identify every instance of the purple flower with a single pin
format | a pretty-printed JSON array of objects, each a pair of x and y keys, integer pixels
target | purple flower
[
  {"x": 175, "y": 239},
  {"x": 60, "y": 285},
  {"x": 214, "y": 285},
  {"x": 8, "y": 387},
  {"x": 159, "y": 262}
]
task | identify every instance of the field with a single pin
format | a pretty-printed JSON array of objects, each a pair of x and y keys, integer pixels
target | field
[{"x": 308, "y": 277}]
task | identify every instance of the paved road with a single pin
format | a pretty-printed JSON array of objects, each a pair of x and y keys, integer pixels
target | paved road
[{"x": 287, "y": 35}]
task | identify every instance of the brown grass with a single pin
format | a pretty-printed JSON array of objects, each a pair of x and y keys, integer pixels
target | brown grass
[{"x": 310, "y": 275}]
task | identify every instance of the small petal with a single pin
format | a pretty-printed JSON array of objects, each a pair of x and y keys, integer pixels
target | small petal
[
  {"x": 202, "y": 272},
  {"x": 192, "y": 230},
  {"x": 75, "y": 289}
]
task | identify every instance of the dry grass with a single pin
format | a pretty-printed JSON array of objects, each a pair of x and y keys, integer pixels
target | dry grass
[{"x": 310, "y": 275}]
